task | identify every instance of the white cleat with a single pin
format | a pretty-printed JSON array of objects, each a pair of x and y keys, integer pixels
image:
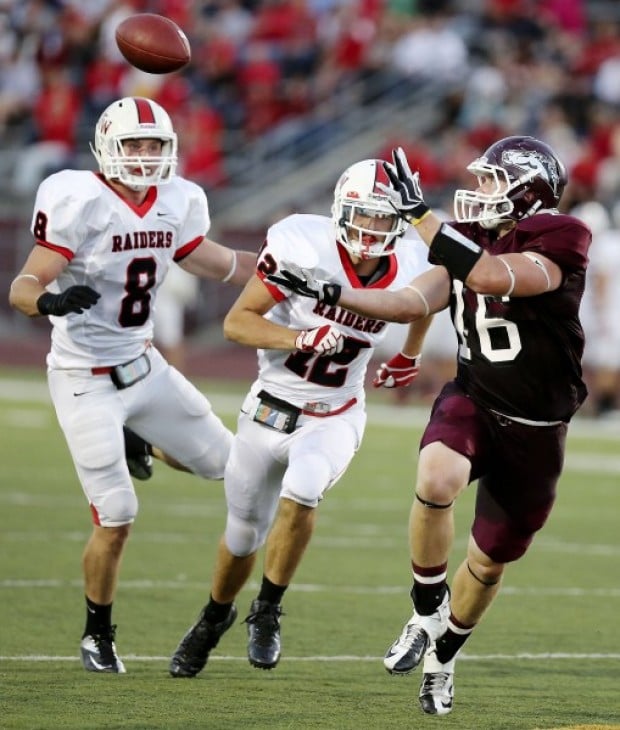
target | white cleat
[
  {"x": 419, "y": 633},
  {"x": 437, "y": 688},
  {"x": 98, "y": 653}
]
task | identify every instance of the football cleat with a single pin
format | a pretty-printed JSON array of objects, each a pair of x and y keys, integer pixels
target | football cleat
[
  {"x": 264, "y": 634},
  {"x": 417, "y": 636},
  {"x": 437, "y": 688},
  {"x": 138, "y": 455},
  {"x": 98, "y": 653},
  {"x": 192, "y": 653}
]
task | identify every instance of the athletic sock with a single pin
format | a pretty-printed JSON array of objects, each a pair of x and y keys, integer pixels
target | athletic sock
[
  {"x": 216, "y": 612},
  {"x": 452, "y": 640},
  {"x": 271, "y": 592},
  {"x": 429, "y": 588},
  {"x": 98, "y": 618}
]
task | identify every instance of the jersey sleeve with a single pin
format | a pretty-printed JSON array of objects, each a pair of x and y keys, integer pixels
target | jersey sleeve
[
  {"x": 196, "y": 222},
  {"x": 60, "y": 213},
  {"x": 562, "y": 238},
  {"x": 285, "y": 242}
]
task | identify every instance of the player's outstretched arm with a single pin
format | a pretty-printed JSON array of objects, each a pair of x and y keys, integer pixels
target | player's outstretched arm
[{"x": 428, "y": 293}]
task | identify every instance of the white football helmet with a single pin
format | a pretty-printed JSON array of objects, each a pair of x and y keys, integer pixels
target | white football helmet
[
  {"x": 135, "y": 118},
  {"x": 357, "y": 195}
]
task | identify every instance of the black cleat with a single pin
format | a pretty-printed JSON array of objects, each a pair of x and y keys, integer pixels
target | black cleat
[
  {"x": 264, "y": 634},
  {"x": 138, "y": 455},
  {"x": 192, "y": 653}
]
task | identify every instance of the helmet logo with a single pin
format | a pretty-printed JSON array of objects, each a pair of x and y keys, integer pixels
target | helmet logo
[{"x": 534, "y": 161}]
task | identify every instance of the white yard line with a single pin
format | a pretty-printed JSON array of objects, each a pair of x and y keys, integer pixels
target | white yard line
[
  {"x": 337, "y": 658},
  {"x": 129, "y": 585}
]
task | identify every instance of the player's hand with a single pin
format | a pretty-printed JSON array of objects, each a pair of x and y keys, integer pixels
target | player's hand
[
  {"x": 323, "y": 340},
  {"x": 302, "y": 282},
  {"x": 397, "y": 372},
  {"x": 404, "y": 190},
  {"x": 74, "y": 299}
]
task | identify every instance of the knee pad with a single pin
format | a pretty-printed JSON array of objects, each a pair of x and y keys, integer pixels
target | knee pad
[
  {"x": 242, "y": 536},
  {"x": 116, "y": 507}
]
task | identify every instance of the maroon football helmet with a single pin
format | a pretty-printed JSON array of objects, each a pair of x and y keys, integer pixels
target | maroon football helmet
[{"x": 528, "y": 177}]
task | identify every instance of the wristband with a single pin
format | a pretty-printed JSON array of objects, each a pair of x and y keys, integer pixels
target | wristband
[
  {"x": 27, "y": 276},
  {"x": 455, "y": 251},
  {"x": 331, "y": 294},
  {"x": 233, "y": 268},
  {"x": 415, "y": 359},
  {"x": 422, "y": 211}
]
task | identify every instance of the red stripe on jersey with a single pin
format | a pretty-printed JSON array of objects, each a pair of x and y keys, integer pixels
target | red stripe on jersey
[
  {"x": 273, "y": 289},
  {"x": 145, "y": 111},
  {"x": 95, "y": 515},
  {"x": 66, "y": 252},
  {"x": 185, "y": 250}
]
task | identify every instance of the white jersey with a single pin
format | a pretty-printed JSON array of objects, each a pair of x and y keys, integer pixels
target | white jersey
[
  {"x": 301, "y": 377},
  {"x": 601, "y": 302},
  {"x": 122, "y": 251}
]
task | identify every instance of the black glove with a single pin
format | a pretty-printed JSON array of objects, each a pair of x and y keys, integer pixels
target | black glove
[
  {"x": 404, "y": 192},
  {"x": 74, "y": 299},
  {"x": 302, "y": 282}
]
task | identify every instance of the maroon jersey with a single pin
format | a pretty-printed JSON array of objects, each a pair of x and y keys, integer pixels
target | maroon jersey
[{"x": 521, "y": 356}]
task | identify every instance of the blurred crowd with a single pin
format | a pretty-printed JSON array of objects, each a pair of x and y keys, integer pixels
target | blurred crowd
[{"x": 550, "y": 68}]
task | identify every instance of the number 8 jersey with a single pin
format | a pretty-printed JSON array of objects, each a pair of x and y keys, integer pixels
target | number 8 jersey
[
  {"x": 121, "y": 250},
  {"x": 310, "y": 242}
]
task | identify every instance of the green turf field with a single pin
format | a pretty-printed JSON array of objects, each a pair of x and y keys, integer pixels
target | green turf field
[{"x": 546, "y": 656}]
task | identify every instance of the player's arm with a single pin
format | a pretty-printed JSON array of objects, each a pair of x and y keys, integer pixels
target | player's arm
[
  {"x": 426, "y": 294},
  {"x": 511, "y": 274},
  {"x": 245, "y": 323},
  {"x": 211, "y": 260},
  {"x": 515, "y": 274},
  {"x": 412, "y": 346},
  {"x": 403, "y": 368},
  {"x": 28, "y": 292}
]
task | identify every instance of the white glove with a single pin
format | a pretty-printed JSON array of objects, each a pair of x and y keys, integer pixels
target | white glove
[{"x": 323, "y": 340}]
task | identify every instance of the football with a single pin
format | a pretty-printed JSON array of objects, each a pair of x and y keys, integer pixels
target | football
[{"x": 153, "y": 43}]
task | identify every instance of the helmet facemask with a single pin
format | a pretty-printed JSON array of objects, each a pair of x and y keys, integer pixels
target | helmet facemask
[
  {"x": 132, "y": 119},
  {"x": 367, "y": 225},
  {"x": 490, "y": 209}
]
